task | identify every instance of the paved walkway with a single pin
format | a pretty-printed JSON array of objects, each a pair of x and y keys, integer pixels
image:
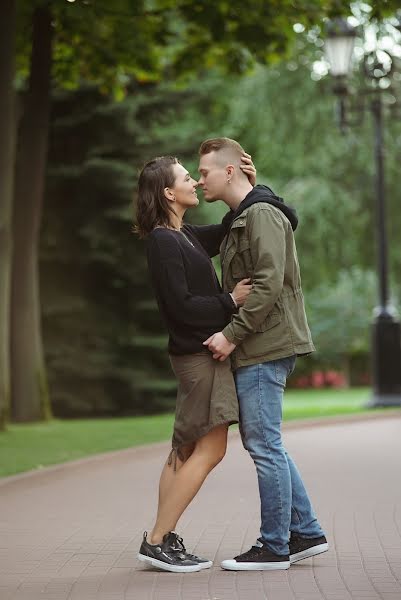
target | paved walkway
[{"x": 72, "y": 533}]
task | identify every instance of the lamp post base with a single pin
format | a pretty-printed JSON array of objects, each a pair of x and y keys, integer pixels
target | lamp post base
[
  {"x": 386, "y": 355},
  {"x": 384, "y": 400}
]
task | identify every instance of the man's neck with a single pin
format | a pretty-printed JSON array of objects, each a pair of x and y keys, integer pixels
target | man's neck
[{"x": 236, "y": 193}]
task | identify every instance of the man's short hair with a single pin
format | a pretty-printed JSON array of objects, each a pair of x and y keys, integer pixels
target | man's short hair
[{"x": 228, "y": 149}]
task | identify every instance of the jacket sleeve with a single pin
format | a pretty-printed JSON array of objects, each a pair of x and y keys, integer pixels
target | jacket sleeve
[
  {"x": 211, "y": 236},
  {"x": 169, "y": 278},
  {"x": 268, "y": 247}
]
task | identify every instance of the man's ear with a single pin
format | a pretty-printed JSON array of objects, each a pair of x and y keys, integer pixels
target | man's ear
[
  {"x": 229, "y": 171},
  {"x": 169, "y": 194}
]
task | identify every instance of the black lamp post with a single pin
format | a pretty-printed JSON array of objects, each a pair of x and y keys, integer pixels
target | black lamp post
[{"x": 377, "y": 69}]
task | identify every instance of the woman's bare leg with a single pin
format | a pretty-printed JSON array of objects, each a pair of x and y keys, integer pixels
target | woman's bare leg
[
  {"x": 178, "y": 488},
  {"x": 168, "y": 473}
]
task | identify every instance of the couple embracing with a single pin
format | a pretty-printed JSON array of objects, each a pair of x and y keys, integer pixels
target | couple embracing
[{"x": 231, "y": 347}]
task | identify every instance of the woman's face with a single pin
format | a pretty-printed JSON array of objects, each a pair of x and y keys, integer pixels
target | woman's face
[{"x": 184, "y": 189}]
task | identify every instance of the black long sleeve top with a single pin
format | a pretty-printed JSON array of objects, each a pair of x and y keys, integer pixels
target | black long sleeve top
[{"x": 190, "y": 299}]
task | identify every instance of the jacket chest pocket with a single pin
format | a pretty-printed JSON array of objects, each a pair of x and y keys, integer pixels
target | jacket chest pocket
[{"x": 241, "y": 264}]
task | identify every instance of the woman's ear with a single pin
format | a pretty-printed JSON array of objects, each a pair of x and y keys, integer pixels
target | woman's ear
[{"x": 169, "y": 194}]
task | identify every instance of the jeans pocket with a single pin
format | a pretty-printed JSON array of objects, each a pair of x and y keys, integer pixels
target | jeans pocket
[
  {"x": 292, "y": 362},
  {"x": 284, "y": 367}
]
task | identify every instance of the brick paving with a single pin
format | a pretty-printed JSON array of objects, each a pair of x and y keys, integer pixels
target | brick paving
[{"x": 72, "y": 532}]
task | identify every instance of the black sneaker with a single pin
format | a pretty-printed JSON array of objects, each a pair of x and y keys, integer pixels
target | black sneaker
[
  {"x": 301, "y": 548},
  {"x": 170, "y": 555},
  {"x": 258, "y": 558}
]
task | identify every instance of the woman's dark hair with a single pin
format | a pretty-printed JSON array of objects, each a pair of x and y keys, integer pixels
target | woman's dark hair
[{"x": 153, "y": 209}]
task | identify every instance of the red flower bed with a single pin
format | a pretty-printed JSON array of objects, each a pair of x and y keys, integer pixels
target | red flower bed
[{"x": 320, "y": 379}]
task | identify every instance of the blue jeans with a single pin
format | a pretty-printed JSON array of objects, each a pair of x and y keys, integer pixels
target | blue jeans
[{"x": 285, "y": 505}]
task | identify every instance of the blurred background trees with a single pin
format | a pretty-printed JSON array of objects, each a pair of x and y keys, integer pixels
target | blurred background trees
[{"x": 130, "y": 80}]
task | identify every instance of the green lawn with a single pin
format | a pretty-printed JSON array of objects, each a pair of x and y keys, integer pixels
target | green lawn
[
  {"x": 25, "y": 447},
  {"x": 304, "y": 404}
]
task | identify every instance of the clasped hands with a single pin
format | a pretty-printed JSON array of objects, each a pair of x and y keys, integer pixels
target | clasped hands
[{"x": 219, "y": 345}]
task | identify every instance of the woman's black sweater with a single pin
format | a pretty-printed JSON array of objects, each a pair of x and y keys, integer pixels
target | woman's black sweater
[{"x": 188, "y": 292}]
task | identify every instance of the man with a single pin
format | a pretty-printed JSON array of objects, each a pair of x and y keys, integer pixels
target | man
[{"x": 264, "y": 338}]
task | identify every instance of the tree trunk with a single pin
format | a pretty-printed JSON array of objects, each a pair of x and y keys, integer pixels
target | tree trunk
[
  {"x": 7, "y": 158},
  {"x": 29, "y": 398},
  {"x": 347, "y": 370}
]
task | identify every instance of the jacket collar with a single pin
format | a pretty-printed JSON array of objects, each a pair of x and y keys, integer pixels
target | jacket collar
[{"x": 262, "y": 193}]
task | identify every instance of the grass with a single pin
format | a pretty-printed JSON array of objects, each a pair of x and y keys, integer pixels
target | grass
[
  {"x": 32, "y": 446},
  {"x": 305, "y": 404}
]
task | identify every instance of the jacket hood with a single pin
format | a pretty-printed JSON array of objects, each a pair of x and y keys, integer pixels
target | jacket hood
[{"x": 262, "y": 193}]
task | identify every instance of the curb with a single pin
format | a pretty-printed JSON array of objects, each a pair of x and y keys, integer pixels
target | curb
[
  {"x": 387, "y": 413},
  {"x": 158, "y": 446}
]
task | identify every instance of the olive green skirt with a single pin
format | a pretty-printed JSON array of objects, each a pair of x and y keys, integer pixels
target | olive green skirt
[{"x": 206, "y": 397}]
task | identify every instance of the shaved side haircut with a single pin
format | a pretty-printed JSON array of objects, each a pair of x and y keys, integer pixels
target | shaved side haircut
[{"x": 227, "y": 151}]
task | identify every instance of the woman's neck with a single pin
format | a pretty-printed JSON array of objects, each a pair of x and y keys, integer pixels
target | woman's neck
[
  {"x": 175, "y": 223},
  {"x": 176, "y": 220}
]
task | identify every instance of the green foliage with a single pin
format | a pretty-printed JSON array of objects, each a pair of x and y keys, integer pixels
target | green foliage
[
  {"x": 105, "y": 343},
  {"x": 340, "y": 314},
  {"x": 106, "y": 352},
  {"x": 286, "y": 120},
  {"x": 328, "y": 214},
  {"x": 111, "y": 44}
]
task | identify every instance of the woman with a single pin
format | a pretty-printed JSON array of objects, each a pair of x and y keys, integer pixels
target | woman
[{"x": 193, "y": 307}]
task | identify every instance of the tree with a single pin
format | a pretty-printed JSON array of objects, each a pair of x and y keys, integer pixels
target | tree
[
  {"x": 7, "y": 147},
  {"x": 299, "y": 151},
  {"x": 104, "y": 341},
  {"x": 110, "y": 45},
  {"x": 71, "y": 30},
  {"x": 339, "y": 317},
  {"x": 28, "y": 376}
]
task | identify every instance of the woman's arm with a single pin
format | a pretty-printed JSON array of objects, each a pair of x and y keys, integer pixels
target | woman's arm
[
  {"x": 211, "y": 236},
  {"x": 169, "y": 278}
]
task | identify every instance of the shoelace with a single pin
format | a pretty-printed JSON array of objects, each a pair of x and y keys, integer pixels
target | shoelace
[
  {"x": 182, "y": 548},
  {"x": 180, "y": 542},
  {"x": 192, "y": 556}
]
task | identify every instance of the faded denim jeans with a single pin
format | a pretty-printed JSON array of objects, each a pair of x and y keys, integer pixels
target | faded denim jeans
[{"x": 285, "y": 505}]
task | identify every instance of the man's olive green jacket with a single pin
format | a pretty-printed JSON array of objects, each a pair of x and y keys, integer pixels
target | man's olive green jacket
[{"x": 272, "y": 323}]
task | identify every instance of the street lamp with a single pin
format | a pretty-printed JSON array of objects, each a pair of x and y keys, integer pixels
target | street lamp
[
  {"x": 339, "y": 47},
  {"x": 378, "y": 67}
]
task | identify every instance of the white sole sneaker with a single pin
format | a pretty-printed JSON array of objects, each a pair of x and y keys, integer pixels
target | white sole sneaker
[
  {"x": 309, "y": 553},
  {"x": 206, "y": 565},
  {"x": 159, "y": 564},
  {"x": 233, "y": 565}
]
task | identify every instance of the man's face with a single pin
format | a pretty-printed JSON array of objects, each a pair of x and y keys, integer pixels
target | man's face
[{"x": 213, "y": 177}]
